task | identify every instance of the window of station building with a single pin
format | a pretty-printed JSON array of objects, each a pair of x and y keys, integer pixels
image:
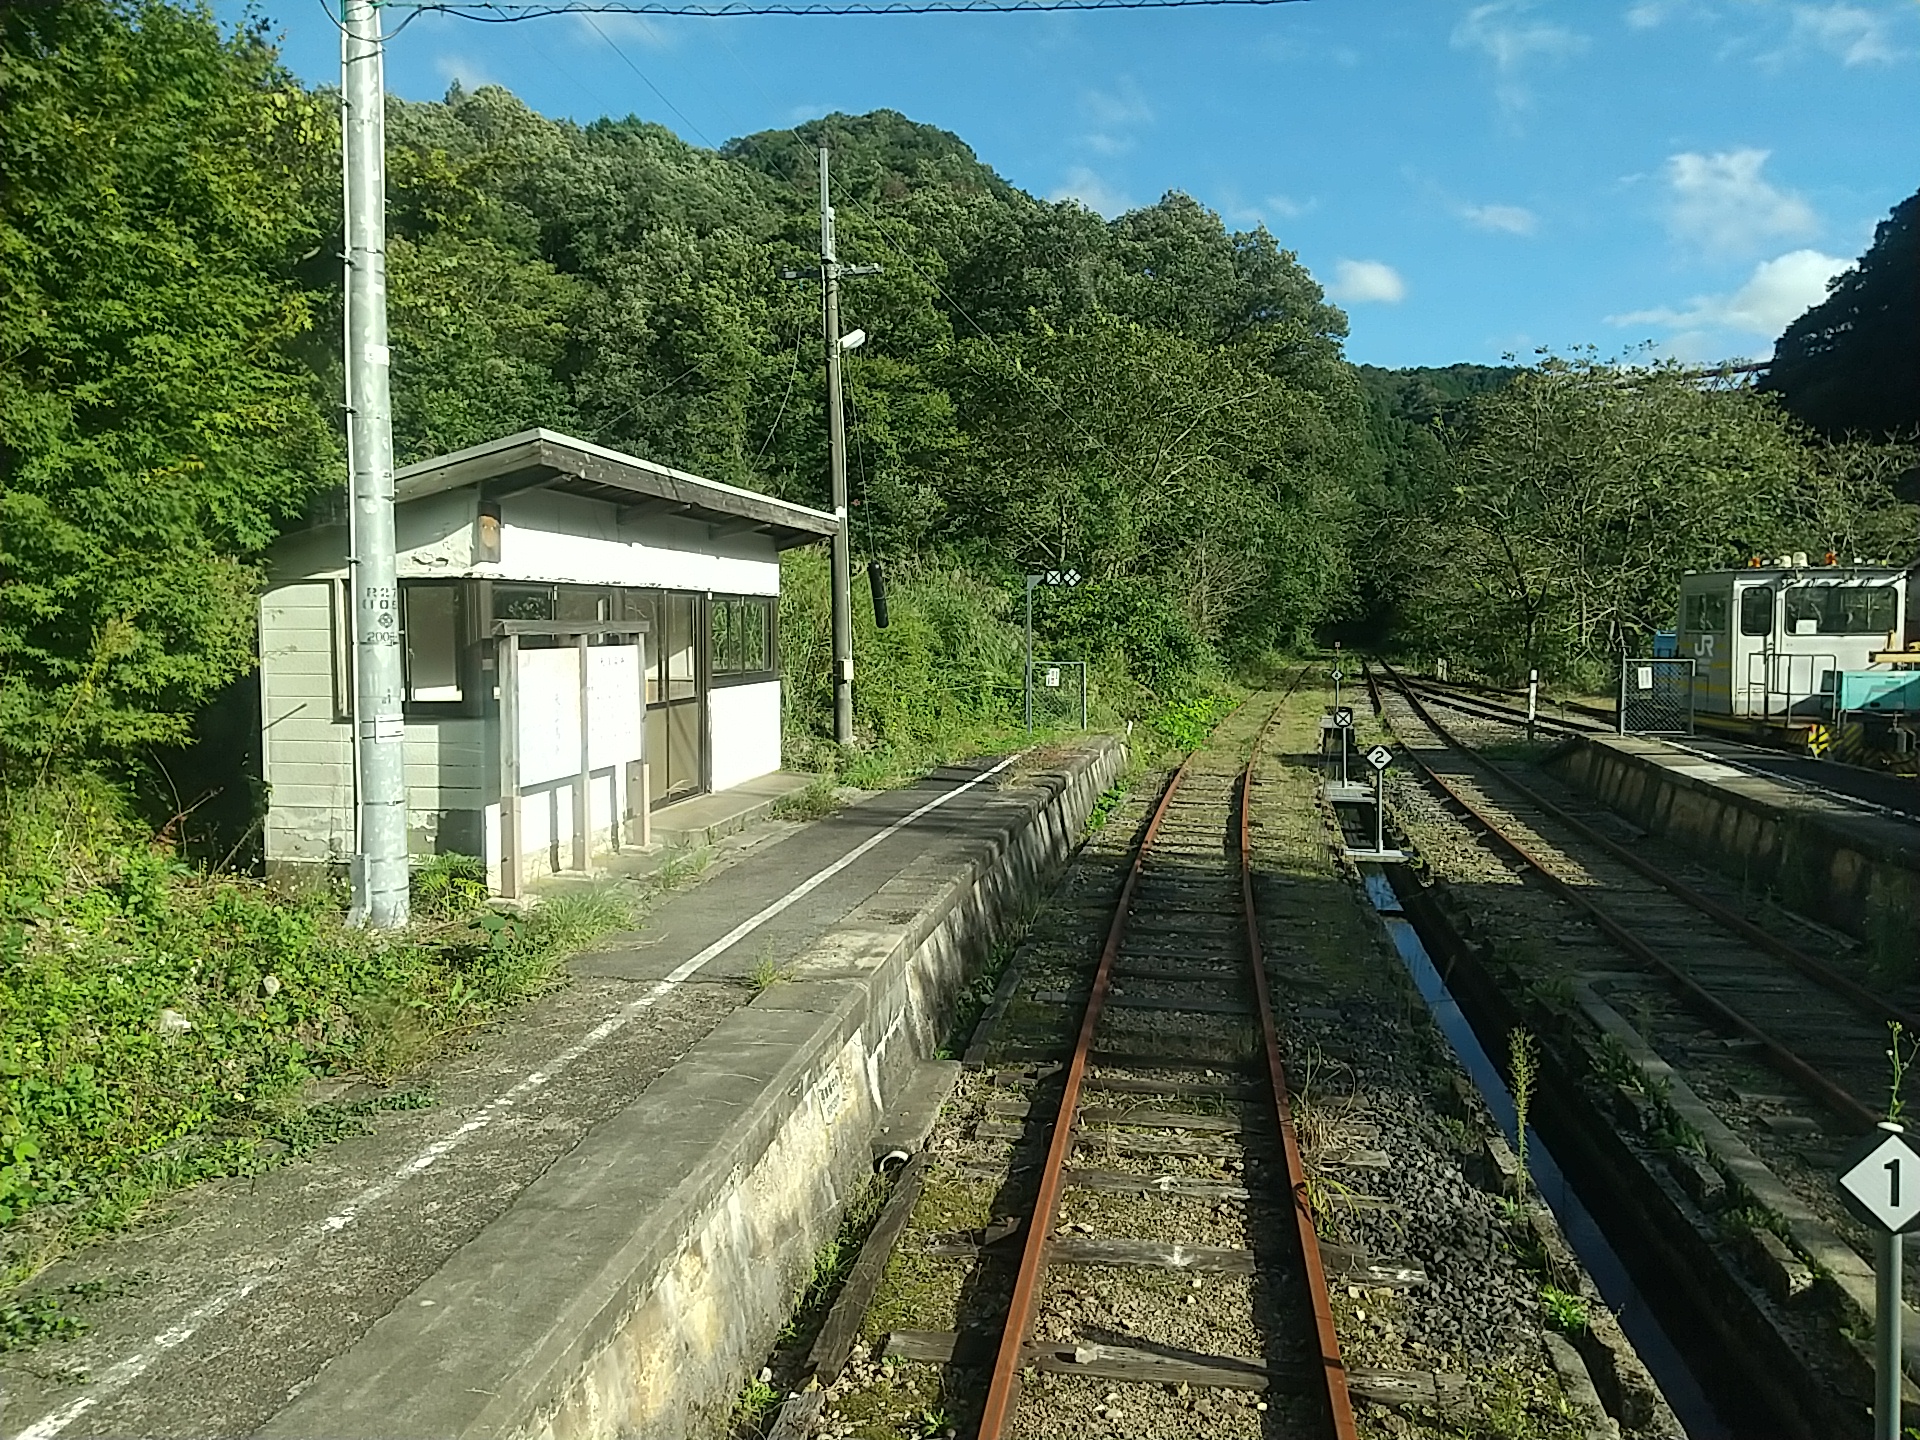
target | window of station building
[
  {"x": 1706, "y": 611},
  {"x": 742, "y": 637},
  {"x": 1756, "y": 610},
  {"x": 430, "y": 626},
  {"x": 1842, "y": 609}
]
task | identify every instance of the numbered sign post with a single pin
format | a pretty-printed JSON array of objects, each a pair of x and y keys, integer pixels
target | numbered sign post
[
  {"x": 1379, "y": 757},
  {"x": 1882, "y": 1187},
  {"x": 1338, "y": 676}
]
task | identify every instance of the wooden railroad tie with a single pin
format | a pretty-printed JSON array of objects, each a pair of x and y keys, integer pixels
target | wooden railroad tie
[{"x": 1099, "y": 1360}]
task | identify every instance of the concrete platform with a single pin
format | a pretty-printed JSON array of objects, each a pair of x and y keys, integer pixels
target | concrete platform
[
  {"x": 1852, "y": 868},
  {"x": 706, "y": 818},
  {"x": 599, "y": 1226}
]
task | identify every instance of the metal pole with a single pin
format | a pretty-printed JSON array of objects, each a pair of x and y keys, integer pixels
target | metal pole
[
  {"x": 1083, "y": 694},
  {"x": 1533, "y": 701},
  {"x": 1343, "y": 753},
  {"x": 1620, "y": 709},
  {"x": 837, "y": 454},
  {"x": 1029, "y": 683},
  {"x": 1379, "y": 811},
  {"x": 380, "y": 867},
  {"x": 1887, "y": 1263}
]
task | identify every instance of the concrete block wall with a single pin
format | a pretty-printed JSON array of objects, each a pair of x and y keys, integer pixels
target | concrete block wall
[{"x": 1851, "y": 869}]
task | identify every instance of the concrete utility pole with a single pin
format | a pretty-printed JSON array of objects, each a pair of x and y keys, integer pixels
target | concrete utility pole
[
  {"x": 380, "y": 794},
  {"x": 837, "y": 453}
]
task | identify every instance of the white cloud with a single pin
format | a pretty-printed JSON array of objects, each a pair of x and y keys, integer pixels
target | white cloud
[
  {"x": 1367, "y": 282},
  {"x": 1856, "y": 36},
  {"x": 1101, "y": 144},
  {"x": 1777, "y": 293},
  {"x": 1288, "y": 208},
  {"x": 1509, "y": 219},
  {"x": 1513, "y": 42},
  {"x": 1113, "y": 109},
  {"x": 1092, "y": 191},
  {"x": 464, "y": 71},
  {"x": 1725, "y": 206},
  {"x": 1648, "y": 14}
]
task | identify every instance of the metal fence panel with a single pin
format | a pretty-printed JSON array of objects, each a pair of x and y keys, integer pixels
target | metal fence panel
[
  {"x": 1059, "y": 694},
  {"x": 1656, "y": 695}
]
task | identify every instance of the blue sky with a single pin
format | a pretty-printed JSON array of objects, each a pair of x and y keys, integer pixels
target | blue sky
[{"x": 1467, "y": 179}]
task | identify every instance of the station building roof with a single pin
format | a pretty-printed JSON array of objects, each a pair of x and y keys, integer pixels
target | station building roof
[{"x": 546, "y": 459}]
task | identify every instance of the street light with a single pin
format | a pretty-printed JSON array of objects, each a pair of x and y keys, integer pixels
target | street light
[
  {"x": 1049, "y": 577},
  {"x": 853, "y": 339}
]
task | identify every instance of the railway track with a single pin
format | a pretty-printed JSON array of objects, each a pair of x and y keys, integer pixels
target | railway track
[
  {"x": 1801, "y": 1016},
  {"x": 1742, "y": 981},
  {"x": 1871, "y": 791},
  {"x": 1182, "y": 946},
  {"x": 1131, "y": 1221}
]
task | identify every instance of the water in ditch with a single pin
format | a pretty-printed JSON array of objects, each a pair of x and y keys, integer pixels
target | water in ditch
[{"x": 1656, "y": 1350}]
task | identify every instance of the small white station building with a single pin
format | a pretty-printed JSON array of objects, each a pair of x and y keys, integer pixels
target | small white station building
[{"x": 588, "y": 636}]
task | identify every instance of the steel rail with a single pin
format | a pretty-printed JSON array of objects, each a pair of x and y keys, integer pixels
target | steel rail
[
  {"x": 1874, "y": 1006},
  {"x": 1003, "y": 1389},
  {"x": 1333, "y": 1368},
  {"x": 1003, "y": 1386},
  {"x": 1847, "y": 799},
  {"x": 1782, "y": 1058}
]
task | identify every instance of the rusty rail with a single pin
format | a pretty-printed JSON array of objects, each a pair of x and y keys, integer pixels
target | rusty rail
[
  {"x": 1876, "y": 1007},
  {"x": 1783, "y": 1059},
  {"x": 1003, "y": 1391},
  {"x": 1333, "y": 1369}
]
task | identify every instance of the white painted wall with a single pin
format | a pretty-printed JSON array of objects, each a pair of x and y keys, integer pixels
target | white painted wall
[
  {"x": 745, "y": 721},
  {"x": 544, "y": 536}
]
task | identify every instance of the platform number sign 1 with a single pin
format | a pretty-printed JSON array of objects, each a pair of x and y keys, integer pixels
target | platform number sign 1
[
  {"x": 1884, "y": 1184},
  {"x": 1379, "y": 757}
]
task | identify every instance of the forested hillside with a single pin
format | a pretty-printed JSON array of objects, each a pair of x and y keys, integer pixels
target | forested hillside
[
  {"x": 1157, "y": 400},
  {"x": 1850, "y": 366}
]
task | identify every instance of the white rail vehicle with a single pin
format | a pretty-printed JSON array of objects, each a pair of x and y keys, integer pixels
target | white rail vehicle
[{"x": 1768, "y": 640}]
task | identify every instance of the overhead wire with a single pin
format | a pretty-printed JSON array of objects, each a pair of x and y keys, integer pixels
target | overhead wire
[
  {"x": 500, "y": 14},
  {"x": 799, "y": 333}
]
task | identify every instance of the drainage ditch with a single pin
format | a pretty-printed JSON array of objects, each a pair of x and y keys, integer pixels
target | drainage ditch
[{"x": 1684, "y": 1389}]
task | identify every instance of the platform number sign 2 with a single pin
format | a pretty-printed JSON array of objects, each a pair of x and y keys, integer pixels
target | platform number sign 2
[{"x": 1884, "y": 1183}]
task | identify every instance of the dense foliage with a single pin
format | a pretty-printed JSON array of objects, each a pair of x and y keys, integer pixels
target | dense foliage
[
  {"x": 1851, "y": 364},
  {"x": 1154, "y": 400},
  {"x": 1552, "y": 523},
  {"x": 157, "y": 421}
]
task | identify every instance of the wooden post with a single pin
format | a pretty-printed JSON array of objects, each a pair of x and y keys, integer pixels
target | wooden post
[
  {"x": 583, "y": 782},
  {"x": 508, "y": 669}
]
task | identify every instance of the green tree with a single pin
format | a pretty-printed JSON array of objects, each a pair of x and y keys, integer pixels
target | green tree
[
  {"x": 156, "y": 422},
  {"x": 1851, "y": 364},
  {"x": 1579, "y": 492}
]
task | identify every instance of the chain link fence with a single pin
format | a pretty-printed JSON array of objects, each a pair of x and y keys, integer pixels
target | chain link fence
[
  {"x": 1656, "y": 695},
  {"x": 1059, "y": 694}
]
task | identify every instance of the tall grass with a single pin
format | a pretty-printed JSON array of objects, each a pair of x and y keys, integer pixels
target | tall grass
[{"x": 160, "y": 1024}]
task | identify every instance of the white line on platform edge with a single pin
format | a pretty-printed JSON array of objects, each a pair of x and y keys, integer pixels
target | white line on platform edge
[{"x": 124, "y": 1372}]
